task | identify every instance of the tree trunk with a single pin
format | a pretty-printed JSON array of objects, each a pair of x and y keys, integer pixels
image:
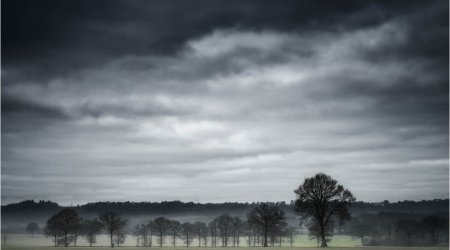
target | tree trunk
[
  {"x": 322, "y": 235},
  {"x": 111, "y": 237},
  {"x": 265, "y": 236}
]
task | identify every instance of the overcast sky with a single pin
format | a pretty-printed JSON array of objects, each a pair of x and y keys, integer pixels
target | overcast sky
[{"x": 215, "y": 101}]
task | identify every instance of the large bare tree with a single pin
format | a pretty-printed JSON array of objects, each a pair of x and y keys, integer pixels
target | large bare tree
[
  {"x": 322, "y": 199},
  {"x": 113, "y": 223},
  {"x": 267, "y": 216}
]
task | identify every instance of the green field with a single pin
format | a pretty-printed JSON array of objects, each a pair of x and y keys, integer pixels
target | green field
[{"x": 39, "y": 242}]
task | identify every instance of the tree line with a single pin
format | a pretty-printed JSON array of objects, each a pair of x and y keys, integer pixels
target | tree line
[
  {"x": 389, "y": 229},
  {"x": 265, "y": 225},
  {"x": 321, "y": 202},
  {"x": 172, "y": 207},
  {"x": 322, "y": 205}
]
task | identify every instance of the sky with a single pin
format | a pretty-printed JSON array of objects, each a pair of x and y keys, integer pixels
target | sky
[{"x": 214, "y": 101}]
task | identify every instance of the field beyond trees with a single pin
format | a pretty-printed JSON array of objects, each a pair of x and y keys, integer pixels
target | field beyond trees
[{"x": 302, "y": 242}]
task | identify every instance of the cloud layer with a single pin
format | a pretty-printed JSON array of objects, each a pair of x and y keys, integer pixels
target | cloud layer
[{"x": 224, "y": 104}]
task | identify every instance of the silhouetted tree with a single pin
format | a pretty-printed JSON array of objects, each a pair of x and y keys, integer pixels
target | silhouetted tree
[
  {"x": 205, "y": 235},
  {"x": 32, "y": 228},
  {"x": 77, "y": 231},
  {"x": 199, "y": 228},
  {"x": 91, "y": 228},
  {"x": 314, "y": 231},
  {"x": 112, "y": 222},
  {"x": 237, "y": 224},
  {"x": 174, "y": 228},
  {"x": 225, "y": 225},
  {"x": 213, "y": 232},
  {"x": 64, "y": 223},
  {"x": 161, "y": 226},
  {"x": 267, "y": 216},
  {"x": 120, "y": 236},
  {"x": 148, "y": 241},
  {"x": 361, "y": 230},
  {"x": 5, "y": 237},
  {"x": 254, "y": 229},
  {"x": 321, "y": 198},
  {"x": 136, "y": 232},
  {"x": 406, "y": 230},
  {"x": 290, "y": 232},
  {"x": 52, "y": 229},
  {"x": 433, "y": 225},
  {"x": 187, "y": 233}
]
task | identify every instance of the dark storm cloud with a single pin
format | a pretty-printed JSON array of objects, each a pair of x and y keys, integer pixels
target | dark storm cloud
[
  {"x": 201, "y": 95},
  {"x": 85, "y": 33}
]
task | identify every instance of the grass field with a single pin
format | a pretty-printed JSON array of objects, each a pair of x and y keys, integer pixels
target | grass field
[
  {"x": 25, "y": 240},
  {"x": 39, "y": 242}
]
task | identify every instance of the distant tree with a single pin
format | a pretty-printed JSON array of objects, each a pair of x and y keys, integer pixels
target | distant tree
[
  {"x": 237, "y": 224},
  {"x": 120, "y": 237},
  {"x": 280, "y": 231},
  {"x": 321, "y": 198},
  {"x": 253, "y": 226},
  {"x": 205, "y": 236},
  {"x": 112, "y": 222},
  {"x": 144, "y": 232},
  {"x": 136, "y": 232},
  {"x": 386, "y": 225},
  {"x": 32, "y": 228},
  {"x": 52, "y": 229},
  {"x": 267, "y": 216},
  {"x": 290, "y": 232},
  {"x": 148, "y": 240},
  {"x": 5, "y": 237},
  {"x": 406, "y": 230},
  {"x": 161, "y": 226},
  {"x": 213, "y": 232},
  {"x": 90, "y": 230},
  {"x": 174, "y": 229},
  {"x": 77, "y": 231},
  {"x": 225, "y": 226},
  {"x": 433, "y": 225},
  {"x": 199, "y": 228},
  {"x": 187, "y": 233},
  {"x": 64, "y": 223},
  {"x": 360, "y": 229}
]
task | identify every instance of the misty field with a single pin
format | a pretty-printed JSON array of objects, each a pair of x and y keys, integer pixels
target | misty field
[
  {"x": 39, "y": 242},
  {"x": 210, "y": 248}
]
